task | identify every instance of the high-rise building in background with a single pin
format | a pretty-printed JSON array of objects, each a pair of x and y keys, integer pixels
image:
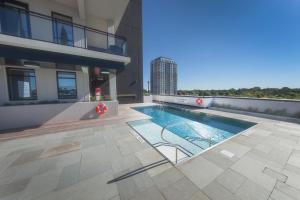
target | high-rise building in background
[{"x": 163, "y": 76}]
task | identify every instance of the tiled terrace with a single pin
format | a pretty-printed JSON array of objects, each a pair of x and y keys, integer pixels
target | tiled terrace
[{"x": 78, "y": 159}]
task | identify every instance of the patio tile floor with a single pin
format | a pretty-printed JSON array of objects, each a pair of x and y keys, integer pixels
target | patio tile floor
[{"x": 82, "y": 157}]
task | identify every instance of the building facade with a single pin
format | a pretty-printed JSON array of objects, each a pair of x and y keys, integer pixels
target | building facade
[
  {"x": 163, "y": 76},
  {"x": 62, "y": 52}
]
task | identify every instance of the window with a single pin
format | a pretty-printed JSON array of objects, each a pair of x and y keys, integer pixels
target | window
[
  {"x": 62, "y": 29},
  {"x": 21, "y": 84},
  {"x": 14, "y": 19},
  {"x": 66, "y": 85}
]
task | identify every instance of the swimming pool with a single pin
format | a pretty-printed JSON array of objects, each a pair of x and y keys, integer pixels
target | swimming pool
[{"x": 192, "y": 132}]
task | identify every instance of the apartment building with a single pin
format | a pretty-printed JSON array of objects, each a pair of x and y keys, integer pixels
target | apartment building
[
  {"x": 163, "y": 76},
  {"x": 55, "y": 55}
]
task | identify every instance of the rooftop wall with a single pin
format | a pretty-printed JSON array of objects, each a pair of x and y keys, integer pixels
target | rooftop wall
[{"x": 276, "y": 107}]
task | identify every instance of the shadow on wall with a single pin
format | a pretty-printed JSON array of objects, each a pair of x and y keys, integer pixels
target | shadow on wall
[{"x": 21, "y": 116}]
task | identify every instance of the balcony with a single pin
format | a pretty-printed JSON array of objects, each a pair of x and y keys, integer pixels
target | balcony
[{"x": 30, "y": 25}]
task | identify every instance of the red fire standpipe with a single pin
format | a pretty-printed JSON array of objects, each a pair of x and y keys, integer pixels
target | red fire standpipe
[{"x": 98, "y": 93}]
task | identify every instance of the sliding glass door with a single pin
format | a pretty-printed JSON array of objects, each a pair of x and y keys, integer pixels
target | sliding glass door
[
  {"x": 62, "y": 29},
  {"x": 15, "y": 19}
]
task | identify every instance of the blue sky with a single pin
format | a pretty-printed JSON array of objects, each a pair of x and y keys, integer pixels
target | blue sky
[{"x": 222, "y": 44}]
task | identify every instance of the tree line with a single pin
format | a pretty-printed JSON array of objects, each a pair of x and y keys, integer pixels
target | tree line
[{"x": 257, "y": 92}]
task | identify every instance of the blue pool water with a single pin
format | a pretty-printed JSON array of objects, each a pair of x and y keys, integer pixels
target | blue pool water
[{"x": 187, "y": 127}]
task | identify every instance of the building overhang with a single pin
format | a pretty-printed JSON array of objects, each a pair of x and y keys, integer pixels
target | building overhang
[{"x": 105, "y": 9}]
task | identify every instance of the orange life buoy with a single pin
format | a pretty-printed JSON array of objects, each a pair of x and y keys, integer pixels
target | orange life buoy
[
  {"x": 101, "y": 108},
  {"x": 199, "y": 101}
]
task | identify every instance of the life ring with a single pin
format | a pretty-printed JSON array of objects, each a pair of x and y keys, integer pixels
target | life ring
[
  {"x": 101, "y": 108},
  {"x": 199, "y": 101}
]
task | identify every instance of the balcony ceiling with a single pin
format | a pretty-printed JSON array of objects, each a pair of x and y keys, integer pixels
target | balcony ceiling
[{"x": 106, "y": 9}]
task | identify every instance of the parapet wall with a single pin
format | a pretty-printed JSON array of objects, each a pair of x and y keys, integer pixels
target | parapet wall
[
  {"x": 278, "y": 107},
  {"x": 22, "y": 116}
]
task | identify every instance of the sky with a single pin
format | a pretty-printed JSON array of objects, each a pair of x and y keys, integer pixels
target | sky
[{"x": 223, "y": 44}]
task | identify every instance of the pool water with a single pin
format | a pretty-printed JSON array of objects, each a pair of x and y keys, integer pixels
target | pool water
[{"x": 194, "y": 132}]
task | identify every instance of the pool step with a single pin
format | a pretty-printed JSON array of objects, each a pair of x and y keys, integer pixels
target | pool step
[
  {"x": 151, "y": 132},
  {"x": 170, "y": 153},
  {"x": 182, "y": 149}
]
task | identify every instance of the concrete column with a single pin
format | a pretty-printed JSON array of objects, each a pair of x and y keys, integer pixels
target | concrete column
[
  {"x": 113, "y": 85},
  {"x": 3, "y": 86},
  {"x": 86, "y": 83},
  {"x": 111, "y": 29}
]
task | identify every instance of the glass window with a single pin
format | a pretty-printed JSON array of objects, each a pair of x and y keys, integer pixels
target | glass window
[
  {"x": 66, "y": 85},
  {"x": 21, "y": 84},
  {"x": 14, "y": 19},
  {"x": 62, "y": 29}
]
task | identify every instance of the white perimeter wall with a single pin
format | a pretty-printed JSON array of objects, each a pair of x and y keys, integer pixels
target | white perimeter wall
[
  {"x": 189, "y": 101},
  {"x": 289, "y": 108}
]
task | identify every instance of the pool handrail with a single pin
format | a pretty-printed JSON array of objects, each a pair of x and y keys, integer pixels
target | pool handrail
[{"x": 209, "y": 140}]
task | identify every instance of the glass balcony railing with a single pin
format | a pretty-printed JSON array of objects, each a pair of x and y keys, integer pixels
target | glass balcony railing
[{"x": 26, "y": 24}]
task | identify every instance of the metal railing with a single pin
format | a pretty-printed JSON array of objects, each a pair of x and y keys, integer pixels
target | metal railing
[
  {"x": 190, "y": 139},
  {"x": 32, "y": 25},
  {"x": 176, "y": 146}
]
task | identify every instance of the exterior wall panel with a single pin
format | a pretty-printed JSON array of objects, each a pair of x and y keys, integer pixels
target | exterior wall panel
[
  {"x": 130, "y": 79},
  {"x": 13, "y": 117}
]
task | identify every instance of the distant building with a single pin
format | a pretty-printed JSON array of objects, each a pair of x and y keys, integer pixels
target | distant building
[{"x": 163, "y": 76}]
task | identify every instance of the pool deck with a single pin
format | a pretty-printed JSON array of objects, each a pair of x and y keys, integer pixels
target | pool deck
[{"x": 74, "y": 161}]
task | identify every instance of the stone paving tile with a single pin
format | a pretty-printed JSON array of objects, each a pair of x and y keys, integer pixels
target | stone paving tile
[
  {"x": 167, "y": 178},
  {"x": 278, "y": 195},
  {"x": 150, "y": 194},
  {"x": 270, "y": 159},
  {"x": 219, "y": 159},
  {"x": 41, "y": 184},
  {"x": 200, "y": 171},
  {"x": 148, "y": 156},
  {"x": 68, "y": 159},
  {"x": 199, "y": 196},
  {"x": 263, "y": 148},
  {"x": 216, "y": 191},
  {"x": 127, "y": 188},
  {"x": 183, "y": 189},
  {"x": 231, "y": 180},
  {"x": 248, "y": 141},
  {"x": 12, "y": 188},
  {"x": 125, "y": 164},
  {"x": 143, "y": 181},
  {"x": 252, "y": 191},
  {"x": 253, "y": 170},
  {"x": 288, "y": 190},
  {"x": 61, "y": 149},
  {"x": 69, "y": 176},
  {"x": 293, "y": 178},
  {"x": 292, "y": 168},
  {"x": 295, "y": 159},
  {"x": 27, "y": 157},
  {"x": 275, "y": 174},
  {"x": 92, "y": 168},
  {"x": 26, "y": 170},
  {"x": 237, "y": 149},
  {"x": 115, "y": 198}
]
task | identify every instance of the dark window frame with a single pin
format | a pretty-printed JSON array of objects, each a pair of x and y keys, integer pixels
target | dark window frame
[
  {"x": 57, "y": 84},
  {"x": 23, "y": 8},
  {"x": 55, "y": 21},
  {"x": 11, "y": 98}
]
